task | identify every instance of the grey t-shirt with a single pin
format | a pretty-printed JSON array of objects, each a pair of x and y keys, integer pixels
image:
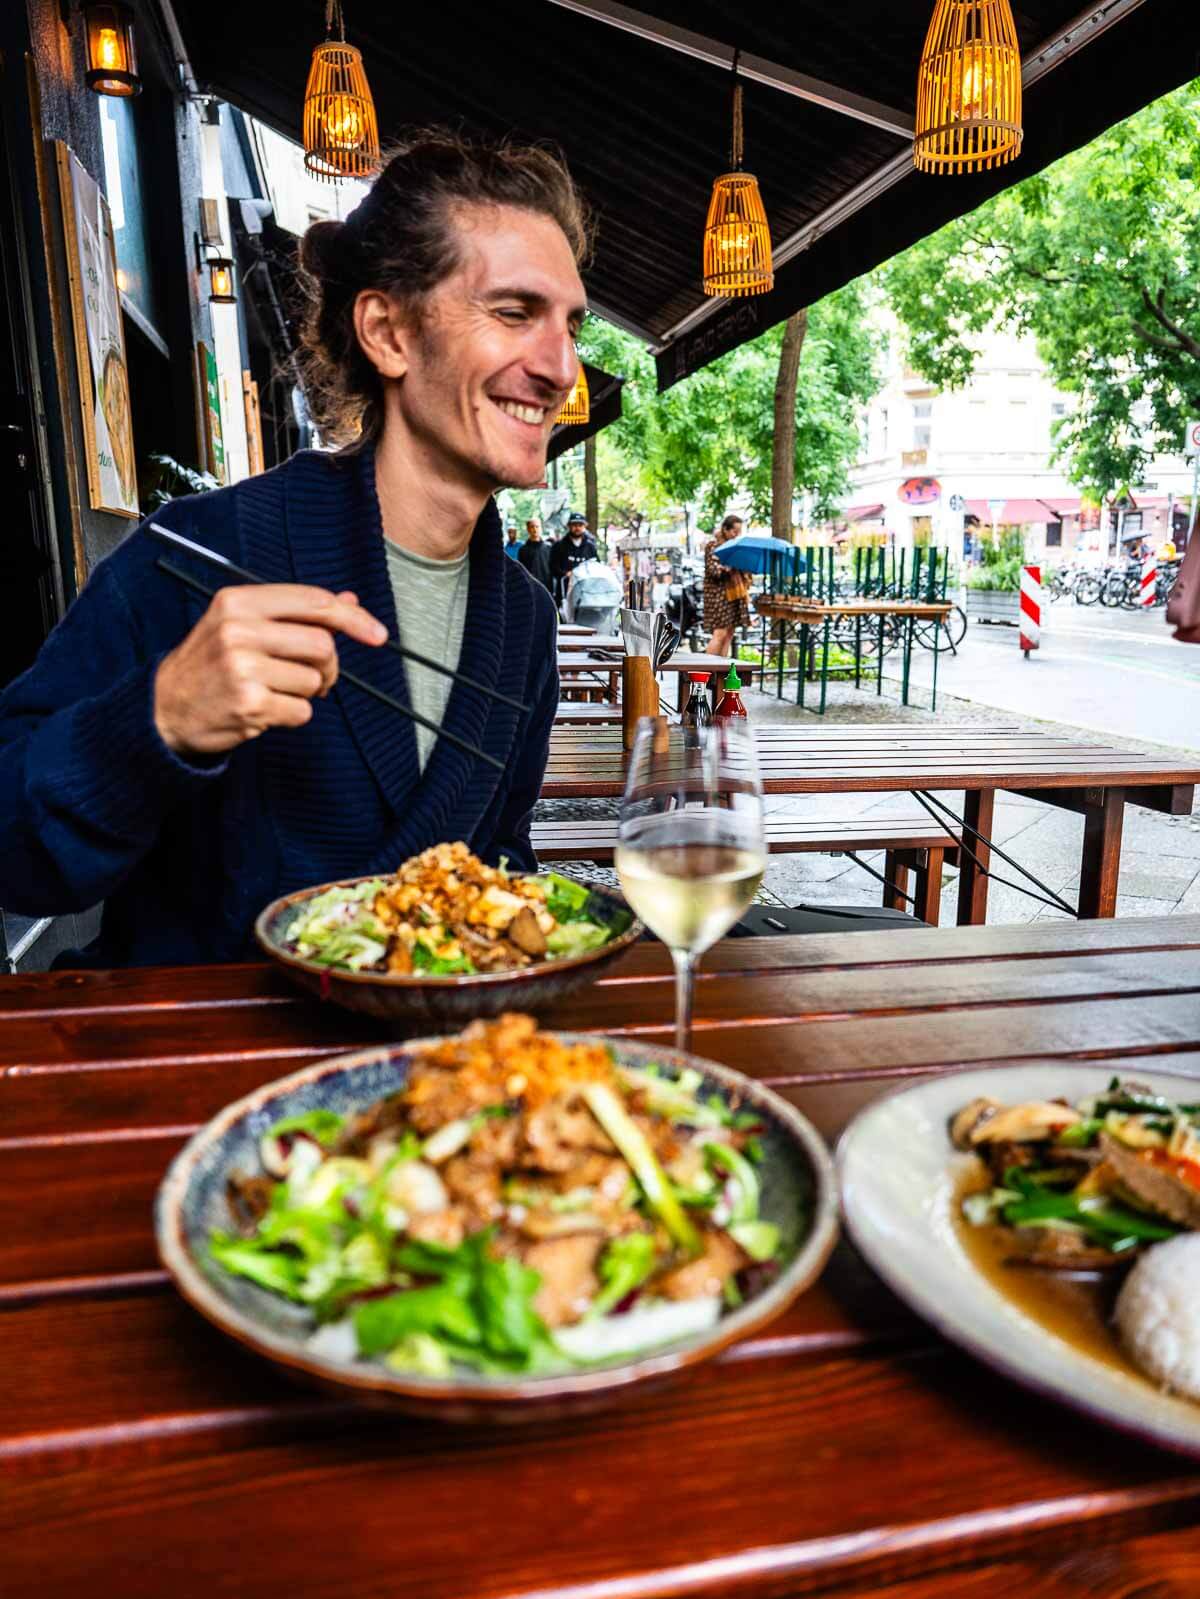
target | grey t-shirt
[{"x": 431, "y": 606}]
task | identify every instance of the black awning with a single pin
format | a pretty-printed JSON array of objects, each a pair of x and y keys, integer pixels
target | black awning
[
  {"x": 605, "y": 407},
  {"x": 645, "y": 129}
]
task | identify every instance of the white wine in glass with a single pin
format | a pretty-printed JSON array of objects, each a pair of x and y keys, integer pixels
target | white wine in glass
[{"x": 690, "y": 850}]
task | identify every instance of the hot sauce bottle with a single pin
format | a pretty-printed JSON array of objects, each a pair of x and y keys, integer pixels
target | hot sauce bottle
[{"x": 731, "y": 699}]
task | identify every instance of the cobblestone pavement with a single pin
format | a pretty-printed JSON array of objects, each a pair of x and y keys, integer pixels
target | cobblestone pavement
[{"x": 1160, "y": 856}]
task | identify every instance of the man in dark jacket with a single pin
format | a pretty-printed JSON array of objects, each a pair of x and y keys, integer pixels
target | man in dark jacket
[
  {"x": 578, "y": 546},
  {"x": 187, "y": 760},
  {"x": 534, "y": 554}
]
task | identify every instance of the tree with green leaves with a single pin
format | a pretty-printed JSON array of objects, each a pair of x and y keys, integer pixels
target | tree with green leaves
[
  {"x": 713, "y": 438},
  {"x": 1098, "y": 258}
]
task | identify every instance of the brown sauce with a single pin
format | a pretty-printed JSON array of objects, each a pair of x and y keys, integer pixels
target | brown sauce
[{"x": 1074, "y": 1308}]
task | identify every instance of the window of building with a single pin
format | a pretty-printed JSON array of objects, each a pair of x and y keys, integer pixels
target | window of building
[
  {"x": 125, "y": 190},
  {"x": 1053, "y": 535},
  {"x": 1058, "y": 408},
  {"x": 883, "y": 427},
  {"x": 921, "y": 436}
]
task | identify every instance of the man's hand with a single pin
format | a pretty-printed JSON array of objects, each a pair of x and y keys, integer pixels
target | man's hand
[{"x": 256, "y": 659}]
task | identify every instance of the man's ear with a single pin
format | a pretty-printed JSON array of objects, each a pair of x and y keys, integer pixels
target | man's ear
[{"x": 384, "y": 332}]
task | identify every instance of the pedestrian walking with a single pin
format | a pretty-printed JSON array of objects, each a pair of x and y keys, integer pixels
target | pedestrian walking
[
  {"x": 726, "y": 605},
  {"x": 534, "y": 554},
  {"x": 577, "y": 547}
]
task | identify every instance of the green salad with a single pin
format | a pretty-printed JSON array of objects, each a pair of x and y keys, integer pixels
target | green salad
[
  {"x": 523, "y": 1205},
  {"x": 445, "y": 912}
]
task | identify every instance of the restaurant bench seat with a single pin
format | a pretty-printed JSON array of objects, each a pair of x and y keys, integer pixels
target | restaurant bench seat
[{"x": 914, "y": 844}]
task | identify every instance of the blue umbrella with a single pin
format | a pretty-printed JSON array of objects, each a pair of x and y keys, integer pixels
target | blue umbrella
[{"x": 759, "y": 552}]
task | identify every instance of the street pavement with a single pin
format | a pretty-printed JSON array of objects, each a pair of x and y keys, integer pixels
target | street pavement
[{"x": 1109, "y": 671}]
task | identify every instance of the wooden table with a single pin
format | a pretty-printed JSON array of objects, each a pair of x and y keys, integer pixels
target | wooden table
[
  {"x": 845, "y": 1449},
  {"x": 603, "y": 666},
  {"x": 585, "y": 713},
  {"x": 1093, "y": 780},
  {"x": 586, "y": 643},
  {"x": 816, "y": 618}
]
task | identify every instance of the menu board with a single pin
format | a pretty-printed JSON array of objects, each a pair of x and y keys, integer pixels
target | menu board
[{"x": 99, "y": 340}]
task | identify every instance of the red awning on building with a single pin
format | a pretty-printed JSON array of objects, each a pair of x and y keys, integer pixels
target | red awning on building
[
  {"x": 1016, "y": 513},
  {"x": 862, "y": 513}
]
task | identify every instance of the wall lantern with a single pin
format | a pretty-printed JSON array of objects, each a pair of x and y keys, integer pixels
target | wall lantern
[
  {"x": 341, "y": 134},
  {"x": 577, "y": 407},
  {"x": 220, "y": 281},
  {"x": 968, "y": 88},
  {"x": 112, "y": 57}
]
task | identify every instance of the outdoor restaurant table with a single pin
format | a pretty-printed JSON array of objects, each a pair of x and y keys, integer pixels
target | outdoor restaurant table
[
  {"x": 1092, "y": 779},
  {"x": 845, "y": 1448},
  {"x": 812, "y": 617},
  {"x": 605, "y": 664}
]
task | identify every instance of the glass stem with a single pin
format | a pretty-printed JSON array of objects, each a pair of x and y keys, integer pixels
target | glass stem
[{"x": 685, "y": 974}]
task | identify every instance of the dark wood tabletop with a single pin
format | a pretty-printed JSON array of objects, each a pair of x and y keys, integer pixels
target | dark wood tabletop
[
  {"x": 845, "y": 1449},
  {"x": 1092, "y": 779}
]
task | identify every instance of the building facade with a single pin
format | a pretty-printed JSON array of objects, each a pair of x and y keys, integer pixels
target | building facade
[{"x": 944, "y": 466}]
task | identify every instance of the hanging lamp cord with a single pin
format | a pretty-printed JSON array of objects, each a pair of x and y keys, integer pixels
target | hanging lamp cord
[
  {"x": 333, "y": 8},
  {"x": 735, "y": 147}
]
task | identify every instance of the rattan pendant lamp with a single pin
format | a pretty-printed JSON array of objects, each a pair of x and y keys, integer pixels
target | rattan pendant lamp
[
  {"x": 577, "y": 407},
  {"x": 341, "y": 134},
  {"x": 737, "y": 238},
  {"x": 968, "y": 88}
]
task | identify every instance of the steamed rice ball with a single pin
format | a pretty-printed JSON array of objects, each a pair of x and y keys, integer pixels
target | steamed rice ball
[{"x": 1158, "y": 1314}]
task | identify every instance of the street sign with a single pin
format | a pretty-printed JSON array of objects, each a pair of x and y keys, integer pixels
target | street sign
[
  {"x": 1191, "y": 439},
  {"x": 958, "y": 502}
]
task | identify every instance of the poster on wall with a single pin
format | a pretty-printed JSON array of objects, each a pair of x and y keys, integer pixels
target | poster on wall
[
  {"x": 210, "y": 412},
  {"x": 254, "y": 440},
  {"x": 99, "y": 340}
]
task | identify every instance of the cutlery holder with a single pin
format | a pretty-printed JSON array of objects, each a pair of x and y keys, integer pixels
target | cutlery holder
[{"x": 639, "y": 695}]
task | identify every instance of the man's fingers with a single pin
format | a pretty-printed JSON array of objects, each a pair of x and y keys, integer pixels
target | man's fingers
[
  {"x": 292, "y": 641},
  {"x": 290, "y": 677},
  {"x": 298, "y": 602}
]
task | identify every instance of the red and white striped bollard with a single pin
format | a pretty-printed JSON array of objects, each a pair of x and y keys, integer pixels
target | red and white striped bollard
[
  {"x": 1149, "y": 580},
  {"x": 1031, "y": 608}
]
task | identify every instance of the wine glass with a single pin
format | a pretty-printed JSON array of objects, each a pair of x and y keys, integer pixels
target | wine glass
[{"x": 691, "y": 850}]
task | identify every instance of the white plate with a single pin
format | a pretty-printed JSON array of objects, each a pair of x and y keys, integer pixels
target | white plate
[{"x": 897, "y": 1170}]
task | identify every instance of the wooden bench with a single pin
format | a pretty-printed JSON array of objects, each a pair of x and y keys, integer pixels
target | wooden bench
[
  {"x": 913, "y": 845},
  {"x": 579, "y": 713}
]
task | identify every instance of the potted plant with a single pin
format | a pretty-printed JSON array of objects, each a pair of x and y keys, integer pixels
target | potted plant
[{"x": 994, "y": 587}]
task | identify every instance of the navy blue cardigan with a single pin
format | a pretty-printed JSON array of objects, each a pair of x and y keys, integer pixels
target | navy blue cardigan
[{"x": 94, "y": 806}]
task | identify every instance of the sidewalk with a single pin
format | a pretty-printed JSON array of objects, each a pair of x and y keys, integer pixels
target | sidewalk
[{"x": 1160, "y": 855}]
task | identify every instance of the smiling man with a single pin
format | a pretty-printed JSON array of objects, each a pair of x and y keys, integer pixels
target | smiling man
[{"x": 186, "y": 760}]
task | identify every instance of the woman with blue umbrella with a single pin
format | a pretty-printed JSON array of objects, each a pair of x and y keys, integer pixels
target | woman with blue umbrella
[{"x": 726, "y": 605}]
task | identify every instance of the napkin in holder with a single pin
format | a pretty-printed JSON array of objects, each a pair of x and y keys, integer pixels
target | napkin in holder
[{"x": 639, "y": 691}]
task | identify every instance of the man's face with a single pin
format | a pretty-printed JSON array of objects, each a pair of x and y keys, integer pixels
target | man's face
[
  {"x": 577, "y": 532},
  {"x": 533, "y": 530},
  {"x": 494, "y": 356}
]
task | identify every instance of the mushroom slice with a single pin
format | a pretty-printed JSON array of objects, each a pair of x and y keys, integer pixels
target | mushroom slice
[
  {"x": 970, "y": 1119},
  {"x": 524, "y": 932},
  {"x": 1020, "y": 1124}
]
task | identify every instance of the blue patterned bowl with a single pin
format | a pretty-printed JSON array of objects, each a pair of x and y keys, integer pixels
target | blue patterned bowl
[{"x": 798, "y": 1195}]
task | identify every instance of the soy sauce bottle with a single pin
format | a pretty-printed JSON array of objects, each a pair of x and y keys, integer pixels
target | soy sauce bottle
[
  {"x": 731, "y": 699},
  {"x": 696, "y": 713}
]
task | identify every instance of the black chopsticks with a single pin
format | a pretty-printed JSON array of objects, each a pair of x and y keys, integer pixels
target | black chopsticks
[
  {"x": 177, "y": 541},
  {"x": 347, "y": 677}
]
